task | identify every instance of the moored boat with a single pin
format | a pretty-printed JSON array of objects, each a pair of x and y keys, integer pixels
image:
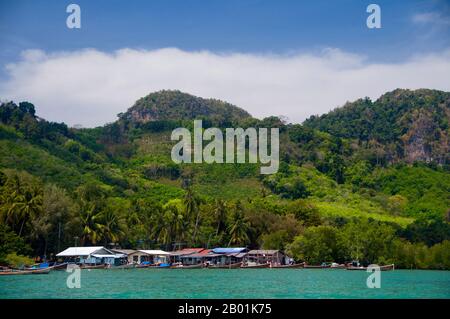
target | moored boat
[
  {"x": 287, "y": 266},
  {"x": 387, "y": 267},
  {"x": 42, "y": 271},
  {"x": 257, "y": 266},
  {"x": 382, "y": 268},
  {"x": 323, "y": 266},
  {"x": 126, "y": 266},
  {"x": 99, "y": 266},
  {"x": 196, "y": 266},
  {"x": 338, "y": 266},
  {"x": 59, "y": 266},
  {"x": 225, "y": 266},
  {"x": 163, "y": 265},
  {"x": 55, "y": 266}
]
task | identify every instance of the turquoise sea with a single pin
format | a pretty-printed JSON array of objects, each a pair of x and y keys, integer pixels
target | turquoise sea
[{"x": 228, "y": 283}]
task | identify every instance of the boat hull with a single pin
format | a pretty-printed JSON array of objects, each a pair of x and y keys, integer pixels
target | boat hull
[
  {"x": 339, "y": 267},
  {"x": 128, "y": 266},
  {"x": 256, "y": 266},
  {"x": 382, "y": 268},
  {"x": 287, "y": 266},
  {"x": 59, "y": 266},
  {"x": 230, "y": 266},
  {"x": 102, "y": 266},
  {"x": 43, "y": 271},
  {"x": 187, "y": 266},
  {"x": 316, "y": 266}
]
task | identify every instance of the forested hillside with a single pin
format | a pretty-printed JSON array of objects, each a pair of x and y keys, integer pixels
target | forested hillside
[
  {"x": 400, "y": 125},
  {"x": 368, "y": 181}
]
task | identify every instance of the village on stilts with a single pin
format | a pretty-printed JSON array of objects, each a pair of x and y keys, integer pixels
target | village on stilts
[{"x": 99, "y": 257}]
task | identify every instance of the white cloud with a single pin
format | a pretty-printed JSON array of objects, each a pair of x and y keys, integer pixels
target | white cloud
[
  {"x": 433, "y": 18},
  {"x": 90, "y": 87}
]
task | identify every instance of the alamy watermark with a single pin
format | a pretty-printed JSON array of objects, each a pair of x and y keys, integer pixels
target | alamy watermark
[
  {"x": 73, "y": 21},
  {"x": 374, "y": 19},
  {"x": 374, "y": 279},
  {"x": 236, "y": 140},
  {"x": 74, "y": 279}
]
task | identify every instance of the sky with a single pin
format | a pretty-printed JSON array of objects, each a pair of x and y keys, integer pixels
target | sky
[{"x": 290, "y": 58}]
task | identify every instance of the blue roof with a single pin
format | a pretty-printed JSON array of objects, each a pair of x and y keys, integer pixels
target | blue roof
[{"x": 228, "y": 250}]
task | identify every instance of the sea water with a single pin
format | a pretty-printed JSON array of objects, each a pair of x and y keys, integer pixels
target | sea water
[{"x": 228, "y": 283}]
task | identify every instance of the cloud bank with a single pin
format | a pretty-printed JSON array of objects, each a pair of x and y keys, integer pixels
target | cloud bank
[{"x": 90, "y": 87}]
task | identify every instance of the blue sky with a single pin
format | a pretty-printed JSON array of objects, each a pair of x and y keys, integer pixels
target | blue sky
[
  {"x": 252, "y": 53},
  {"x": 223, "y": 26}
]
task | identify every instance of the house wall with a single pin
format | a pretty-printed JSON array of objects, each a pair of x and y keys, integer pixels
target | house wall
[
  {"x": 278, "y": 258},
  {"x": 139, "y": 257}
]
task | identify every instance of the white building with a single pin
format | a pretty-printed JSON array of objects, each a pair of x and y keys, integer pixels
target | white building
[
  {"x": 149, "y": 256},
  {"x": 91, "y": 255}
]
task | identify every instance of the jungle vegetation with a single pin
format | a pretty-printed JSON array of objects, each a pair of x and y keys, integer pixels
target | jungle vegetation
[{"x": 368, "y": 181}]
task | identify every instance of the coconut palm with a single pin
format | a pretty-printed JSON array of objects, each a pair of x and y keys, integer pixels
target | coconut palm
[
  {"x": 175, "y": 223},
  {"x": 220, "y": 215},
  {"x": 24, "y": 204},
  {"x": 12, "y": 197},
  {"x": 239, "y": 227},
  {"x": 191, "y": 203},
  {"x": 91, "y": 223},
  {"x": 31, "y": 206},
  {"x": 111, "y": 226}
]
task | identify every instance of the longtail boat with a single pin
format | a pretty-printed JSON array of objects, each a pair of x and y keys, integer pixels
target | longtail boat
[
  {"x": 382, "y": 268},
  {"x": 255, "y": 266},
  {"x": 99, "y": 266},
  {"x": 197, "y": 266},
  {"x": 341, "y": 266},
  {"x": 126, "y": 266},
  {"x": 162, "y": 265},
  {"x": 288, "y": 266},
  {"x": 42, "y": 271},
  {"x": 62, "y": 266},
  {"x": 316, "y": 266},
  {"x": 225, "y": 266}
]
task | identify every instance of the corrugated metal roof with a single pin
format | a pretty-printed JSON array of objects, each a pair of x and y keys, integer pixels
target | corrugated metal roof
[
  {"x": 186, "y": 251},
  {"x": 123, "y": 251},
  {"x": 263, "y": 252},
  {"x": 109, "y": 256},
  {"x": 82, "y": 251},
  {"x": 229, "y": 250},
  {"x": 203, "y": 254},
  {"x": 155, "y": 252}
]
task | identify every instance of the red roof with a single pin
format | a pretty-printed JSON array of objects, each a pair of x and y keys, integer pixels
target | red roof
[
  {"x": 203, "y": 253},
  {"x": 192, "y": 250},
  {"x": 186, "y": 251}
]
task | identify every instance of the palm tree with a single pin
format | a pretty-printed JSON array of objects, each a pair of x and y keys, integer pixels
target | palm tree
[
  {"x": 111, "y": 227},
  {"x": 91, "y": 223},
  {"x": 220, "y": 214},
  {"x": 133, "y": 218},
  {"x": 174, "y": 225},
  {"x": 239, "y": 227},
  {"x": 191, "y": 203},
  {"x": 12, "y": 197},
  {"x": 166, "y": 233},
  {"x": 180, "y": 226},
  {"x": 24, "y": 204},
  {"x": 31, "y": 206}
]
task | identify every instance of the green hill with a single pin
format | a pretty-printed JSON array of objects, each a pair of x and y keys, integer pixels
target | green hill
[
  {"x": 402, "y": 124},
  {"x": 117, "y": 183},
  {"x": 175, "y": 105}
]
